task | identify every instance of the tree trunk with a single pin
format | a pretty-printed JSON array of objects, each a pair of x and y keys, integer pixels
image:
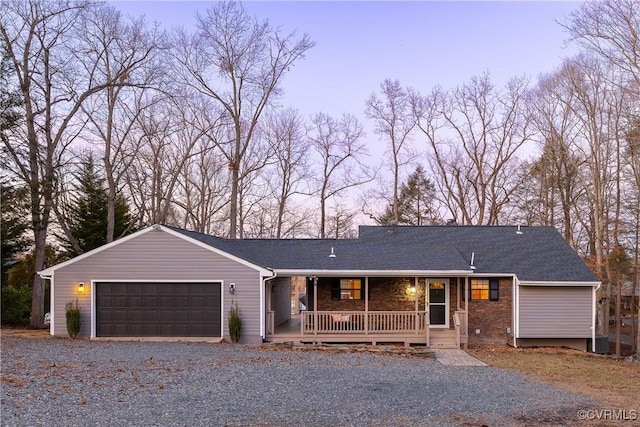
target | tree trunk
[
  {"x": 323, "y": 215},
  {"x": 233, "y": 208},
  {"x": 108, "y": 168},
  {"x": 37, "y": 299},
  {"x": 618, "y": 319}
]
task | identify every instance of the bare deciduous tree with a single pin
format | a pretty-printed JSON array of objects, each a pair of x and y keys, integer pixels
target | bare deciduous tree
[
  {"x": 395, "y": 121},
  {"x": 238, "y": 62},
  {"x": 284, "y": 132},
  {"x": 474, "y": 133},
  {"x": 338, "y": 144},
  {"x": 168, "y": 142},
  {"x": 557, "y": 169},
  {"x": 609, "y": 28},
  {"x": 40, "y": 37},
  {"x": 131, "y": 50}
]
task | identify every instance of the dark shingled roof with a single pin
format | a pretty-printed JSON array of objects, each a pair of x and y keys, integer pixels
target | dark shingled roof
[{"x": 535, "y": 254}]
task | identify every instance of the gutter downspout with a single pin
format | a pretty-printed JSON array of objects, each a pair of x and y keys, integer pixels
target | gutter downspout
[
  {"x": 516, "y": 312},
  {"x": 263, "y": 309},
  {"x": 51, "y": 299},
  {"x": 593, "y": 317}
]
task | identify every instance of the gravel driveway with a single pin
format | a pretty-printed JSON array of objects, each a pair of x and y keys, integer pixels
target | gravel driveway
[{"x": 63, "y": 382}]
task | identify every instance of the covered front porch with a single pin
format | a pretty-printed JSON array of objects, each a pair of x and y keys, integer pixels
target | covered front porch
[{"x": 406, "y": 310}]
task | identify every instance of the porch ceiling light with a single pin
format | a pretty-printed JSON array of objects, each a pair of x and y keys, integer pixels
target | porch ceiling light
[{"x": 81, "y": 287}]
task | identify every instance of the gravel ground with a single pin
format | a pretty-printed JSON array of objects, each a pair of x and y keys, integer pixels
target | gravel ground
[{"x": 63, "y": 382}]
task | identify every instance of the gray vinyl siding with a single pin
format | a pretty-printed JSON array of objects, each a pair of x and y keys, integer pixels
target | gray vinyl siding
[
  {"x": 281, "y": 299},
  {"x": 158, "y": 255},
  {"x": 555, "y": 312}
]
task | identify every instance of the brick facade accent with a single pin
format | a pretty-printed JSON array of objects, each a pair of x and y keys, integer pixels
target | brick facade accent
[
  {"x": 385, "y": 294},
  {"x": 492, "y": 318}
]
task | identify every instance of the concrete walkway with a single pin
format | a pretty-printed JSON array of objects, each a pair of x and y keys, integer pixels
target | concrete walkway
[{"x": 456, "y": 358}]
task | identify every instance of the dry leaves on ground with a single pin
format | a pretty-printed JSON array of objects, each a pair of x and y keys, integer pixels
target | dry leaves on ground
[{"x": 613, "y": 381}]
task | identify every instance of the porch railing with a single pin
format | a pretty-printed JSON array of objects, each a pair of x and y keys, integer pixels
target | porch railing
[
  {"x": 460, "y": 325},
  {"x": 374, "y": 322}
]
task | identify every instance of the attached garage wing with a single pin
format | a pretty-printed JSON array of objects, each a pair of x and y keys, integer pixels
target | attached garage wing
[
  {"x": 151, "y": 309},
  {"x": 555, "y": 312}
]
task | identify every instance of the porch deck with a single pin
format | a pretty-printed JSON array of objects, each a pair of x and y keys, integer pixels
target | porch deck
[{"x": 408, "y": 328}]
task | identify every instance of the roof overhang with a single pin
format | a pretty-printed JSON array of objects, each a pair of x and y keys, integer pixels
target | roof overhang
[
  {"x": 368, "y": 273},
  {"x": 557, "y": 283}
]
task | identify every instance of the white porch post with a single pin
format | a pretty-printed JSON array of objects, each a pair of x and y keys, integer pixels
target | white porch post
[
  {"x": 315, "y": 307},
  {"x": 415, "y": 298},
  {"x": 268, "y": 314},
  {"x": 427, "y": 314},
  {"x": 467, "y": 297},
  {"x": 366, "y": 305}
]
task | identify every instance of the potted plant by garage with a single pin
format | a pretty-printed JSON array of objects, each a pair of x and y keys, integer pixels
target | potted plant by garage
[
  {"x": 235, "y": 323},
  {"x": 73, "y": 318}
]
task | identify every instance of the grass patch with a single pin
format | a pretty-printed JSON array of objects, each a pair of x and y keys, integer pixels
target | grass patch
[{"x": 613, "y": 381}]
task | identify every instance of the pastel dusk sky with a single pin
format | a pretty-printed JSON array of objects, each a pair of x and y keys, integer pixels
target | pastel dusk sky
[{"x": 422, "y": 44}]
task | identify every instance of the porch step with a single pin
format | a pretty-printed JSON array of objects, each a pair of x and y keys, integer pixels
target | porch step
[
  {"x": 444, "y": 344},
  {"x": 442, "y": 339}
]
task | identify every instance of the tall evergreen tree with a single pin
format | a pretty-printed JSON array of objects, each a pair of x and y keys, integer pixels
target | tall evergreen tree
[
  {"x": 415, "y": 203},
  {"x": 86, "y": 220},
  {"x": 15, "y": 199},
  {"x": 10, "y": 103},
  {"x": 15, "y": 225}
]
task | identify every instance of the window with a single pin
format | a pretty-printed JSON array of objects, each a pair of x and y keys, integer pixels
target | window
[
  {"x": 350, "y": 288},
  {"x": 347, "y": 289},
  {"x": 485, "y": 289},
  {"x": 494, "y": 290},
  {"x": 479, "y": 289}
]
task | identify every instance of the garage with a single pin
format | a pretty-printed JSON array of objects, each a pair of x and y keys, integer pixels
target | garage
[{"x": 157, "y": 309}]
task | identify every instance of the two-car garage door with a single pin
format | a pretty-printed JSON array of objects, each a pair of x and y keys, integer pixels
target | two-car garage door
[{"x": 141, "y": 309}]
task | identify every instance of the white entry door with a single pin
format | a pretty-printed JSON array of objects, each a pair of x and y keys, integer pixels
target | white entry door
[{"x": 438, "y": 302}]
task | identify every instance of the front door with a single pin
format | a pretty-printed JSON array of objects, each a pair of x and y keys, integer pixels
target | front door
[{"x": 438, "y": 303}]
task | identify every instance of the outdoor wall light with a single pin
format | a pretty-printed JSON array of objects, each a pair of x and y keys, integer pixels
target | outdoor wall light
[
  {"x": 81, "y": 287},
  {"x": 412, "y": 289},
  {"x": 232, "y": 288}
]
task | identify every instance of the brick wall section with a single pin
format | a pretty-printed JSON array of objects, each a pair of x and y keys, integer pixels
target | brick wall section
[
  {"x": 324, "y": 298},
  {"x": 392, "y": 294},
  {"x": 385, "y": 294},
  {"x": 453, "y": 299},
  {"x": 492, "y": 318}
]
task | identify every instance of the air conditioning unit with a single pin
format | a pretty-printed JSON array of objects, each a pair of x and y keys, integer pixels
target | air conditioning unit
[{"x": 602, "y": 344}]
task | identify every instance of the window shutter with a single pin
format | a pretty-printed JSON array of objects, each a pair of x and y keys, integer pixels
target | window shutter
[
  {"x": 494, "y": 289},
  {"x": 335, "y": 290}
]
